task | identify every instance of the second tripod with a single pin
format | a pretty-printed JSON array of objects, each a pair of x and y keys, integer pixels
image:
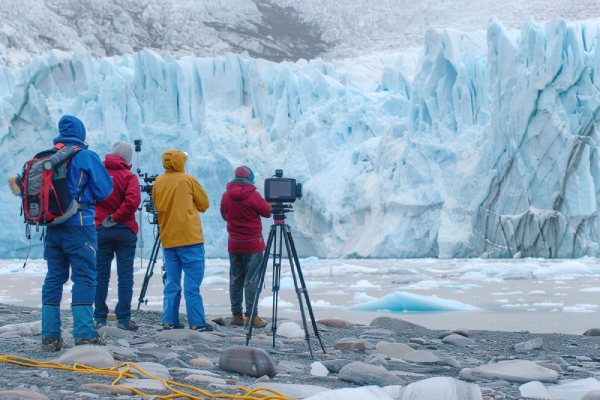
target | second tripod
[{"x": 279, "y": 234}]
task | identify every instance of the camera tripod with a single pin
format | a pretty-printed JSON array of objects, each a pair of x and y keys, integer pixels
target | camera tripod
[
  {"x": 150, "y": 271},
  {"x": 279, "y": 233}
]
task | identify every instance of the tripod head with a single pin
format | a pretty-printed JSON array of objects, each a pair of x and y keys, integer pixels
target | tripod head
[{"x": 278, "y": 211}]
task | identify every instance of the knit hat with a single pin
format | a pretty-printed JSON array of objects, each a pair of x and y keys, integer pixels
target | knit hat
[
  {"x": 244, "y": 172},
  {"x": 123, "y": 149}
]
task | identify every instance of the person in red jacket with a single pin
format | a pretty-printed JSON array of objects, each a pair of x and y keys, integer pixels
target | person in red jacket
[
  {"x": 117, "y": 235},
  {"x": 242, "y": 206}
]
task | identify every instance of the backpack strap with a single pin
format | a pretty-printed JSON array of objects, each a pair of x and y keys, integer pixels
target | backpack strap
[{"x": 74, "y": 150}]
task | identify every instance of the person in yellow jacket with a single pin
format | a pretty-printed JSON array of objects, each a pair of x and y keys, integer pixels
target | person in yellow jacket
[{"x": 178, "y": 197}]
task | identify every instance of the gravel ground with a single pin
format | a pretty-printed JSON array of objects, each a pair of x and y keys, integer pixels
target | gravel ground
[{"x": 558, "y": 349}]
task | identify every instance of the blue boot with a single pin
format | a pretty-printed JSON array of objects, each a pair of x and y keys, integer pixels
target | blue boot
[
  {"x": 51, "y": 336},
  {"x": 50, "y": 321},
  {"x": 83, "y": 322}
]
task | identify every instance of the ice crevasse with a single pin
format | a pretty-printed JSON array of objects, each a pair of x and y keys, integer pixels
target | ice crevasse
[{"x": 488, "y": 148}]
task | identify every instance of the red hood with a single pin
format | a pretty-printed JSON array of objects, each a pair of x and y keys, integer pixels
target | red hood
[
  {"x": 239, "y": 191},
  {"x": 113, "y": 161}
]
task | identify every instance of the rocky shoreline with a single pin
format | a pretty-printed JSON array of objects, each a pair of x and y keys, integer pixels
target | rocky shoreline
[{"x": 390, "y": 357}]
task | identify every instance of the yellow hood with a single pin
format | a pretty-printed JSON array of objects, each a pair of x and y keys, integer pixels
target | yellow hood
[{"x": 174, "y": 161}]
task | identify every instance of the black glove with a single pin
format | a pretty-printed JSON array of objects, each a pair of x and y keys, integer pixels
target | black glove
[{"x": 108, "y": 222}]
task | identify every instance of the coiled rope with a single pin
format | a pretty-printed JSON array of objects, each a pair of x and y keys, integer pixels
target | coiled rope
[{"x": 124, "y": 370}]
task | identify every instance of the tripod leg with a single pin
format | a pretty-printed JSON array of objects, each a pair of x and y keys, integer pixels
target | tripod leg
[
  {"x": 293, "y": 268},
  {"x": 294, "y": 254},
  {"x": 276, "y": 279},
  {"x": 261, "y": 281},
  {"x": 149, "y": 271}
]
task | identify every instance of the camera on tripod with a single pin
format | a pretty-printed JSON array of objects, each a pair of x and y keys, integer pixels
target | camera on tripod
[
  {"x": 282, "y": 190},
  {"x": 146, "y": 187}
]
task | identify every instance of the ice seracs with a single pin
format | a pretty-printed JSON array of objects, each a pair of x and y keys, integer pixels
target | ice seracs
[{"x": 488, "y": 149}]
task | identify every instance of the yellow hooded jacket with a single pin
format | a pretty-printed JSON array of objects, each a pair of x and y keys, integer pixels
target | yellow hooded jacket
[{"x": 178, "y": 197}]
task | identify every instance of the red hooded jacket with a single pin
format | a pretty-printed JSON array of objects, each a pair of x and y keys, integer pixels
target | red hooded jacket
[
  {"x": 242, "y": 206},
  {"x": 125, "y": 198}
]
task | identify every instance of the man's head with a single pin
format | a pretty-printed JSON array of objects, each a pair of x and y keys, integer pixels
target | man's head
[
  {"x": 174, "y": 160},
  {"x": 123, "y": 150},
  {"x": 71, "y": 131},
  {"x": 244, "y": 172}
]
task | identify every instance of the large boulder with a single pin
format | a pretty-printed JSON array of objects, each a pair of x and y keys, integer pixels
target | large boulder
[
  {"x": 154, "y": 369},
  {"x": 290, "y": 329},
  {"x": 247, "y": 361},
  {"x": 353, "y": 344},
  {"x": 393, "y": 350},
  {"x": 22, "y": 329},
  {"x": 94, "y": 356},
  {"x": 113, "y": 332},
  {"x": 336, "y": 365},
  {"x": 22, "y": 395},
  {"x": 515, "y": 371},
  {"x": 335, "y": 323},
  {"x": 365, "y": 374},
  {"x": 458, "y": 340},
  {"x": 394, "y": 324},
  {"x": 529, "y": 345},
  {"x": 104, "y": 388},
  {"x": 592, "y": 332}
]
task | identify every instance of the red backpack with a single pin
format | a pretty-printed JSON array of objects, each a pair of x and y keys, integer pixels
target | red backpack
[{"x": 43, "y": 184}]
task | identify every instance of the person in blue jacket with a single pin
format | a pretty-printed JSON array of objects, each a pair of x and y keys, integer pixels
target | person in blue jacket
[{"x": 73, "y": 243}]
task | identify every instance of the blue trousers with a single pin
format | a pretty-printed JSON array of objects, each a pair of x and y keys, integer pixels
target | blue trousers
[
  {"x": 190, "y": 261},
  {"x": 70, "y": 248},
  {"x": 120, "y": 241}
]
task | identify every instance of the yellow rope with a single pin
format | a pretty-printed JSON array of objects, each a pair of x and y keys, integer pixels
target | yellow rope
[{"x": 124, "y": 370}]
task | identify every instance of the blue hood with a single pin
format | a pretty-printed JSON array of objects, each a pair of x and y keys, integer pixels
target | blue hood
[{"x": 71, "y": 131}]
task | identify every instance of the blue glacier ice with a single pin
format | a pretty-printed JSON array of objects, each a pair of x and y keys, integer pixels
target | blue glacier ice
[
  {"x": 487, "y": 149},
  {"x": 411, "y": 302}
]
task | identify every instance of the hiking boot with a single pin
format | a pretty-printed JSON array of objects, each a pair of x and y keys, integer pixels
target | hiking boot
[
  {"x": 258, "y": 322},
  {"x": 100, "y": 323},
  {"x": 98, "y": 341},
  {"x": 127, "y": 325},
  {"x": 206, "y": 328},
  {"x": 52, "y": 344},
  {"x": 238, "y": 319},
  {"x": 168, "y": 327}
]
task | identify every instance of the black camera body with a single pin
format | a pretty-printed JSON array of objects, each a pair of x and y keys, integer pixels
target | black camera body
[
  {"x": 282, "y": 190},
  {"x": 146, "y": 187},
  {"x": 148, "y": 182}
]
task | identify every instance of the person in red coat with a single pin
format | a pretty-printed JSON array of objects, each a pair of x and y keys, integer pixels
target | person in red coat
[
  {"x": 117, "y": 235},
  {"x": 242, "y": 206}
]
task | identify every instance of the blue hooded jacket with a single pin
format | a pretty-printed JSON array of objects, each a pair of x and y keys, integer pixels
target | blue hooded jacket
[{"x": 87, "y": 179}]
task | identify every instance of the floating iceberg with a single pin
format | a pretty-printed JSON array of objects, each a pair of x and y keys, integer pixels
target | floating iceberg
[{"x": 408, "y": 302}]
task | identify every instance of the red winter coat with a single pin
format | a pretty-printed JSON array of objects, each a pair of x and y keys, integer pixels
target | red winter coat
[
  {"x": 125, "y": 198},
  {"x": 242, "y": 206}
]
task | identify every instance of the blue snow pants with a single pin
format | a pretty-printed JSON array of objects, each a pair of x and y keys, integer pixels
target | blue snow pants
[
  {"x": 190, "y": 261},
  {"x": 70, "y": 249}
]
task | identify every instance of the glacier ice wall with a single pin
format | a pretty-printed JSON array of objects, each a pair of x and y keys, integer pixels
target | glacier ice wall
[{"x": 490, "y": 149}]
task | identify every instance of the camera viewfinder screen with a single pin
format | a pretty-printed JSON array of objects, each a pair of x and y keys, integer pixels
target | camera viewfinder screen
[{"x": 280, "y": 189}]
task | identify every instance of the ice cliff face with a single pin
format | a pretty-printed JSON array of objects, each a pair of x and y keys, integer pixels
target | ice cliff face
[{"x": 489, "y": 150}]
